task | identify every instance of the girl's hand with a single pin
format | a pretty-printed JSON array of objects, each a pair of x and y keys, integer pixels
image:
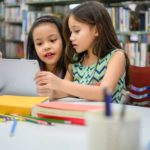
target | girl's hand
[{"x": 46, "y": 82}]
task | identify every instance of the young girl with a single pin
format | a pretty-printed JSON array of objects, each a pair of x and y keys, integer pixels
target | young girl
[
  {"x": 46, "y": 44},
  {"x": 95, "y": 57}
]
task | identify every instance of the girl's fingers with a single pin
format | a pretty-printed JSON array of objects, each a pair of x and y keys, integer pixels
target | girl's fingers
[
  {"x": 42, "y": 87},
  {"x": 43, "y": 92},
  {"x": 43, "y": 78},
  {"x": 41, "y": 74},
  {"x": 43, "y": 82}
]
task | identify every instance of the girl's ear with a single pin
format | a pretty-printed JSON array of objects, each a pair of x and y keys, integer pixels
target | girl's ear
[{"x": 96, "y": 31}]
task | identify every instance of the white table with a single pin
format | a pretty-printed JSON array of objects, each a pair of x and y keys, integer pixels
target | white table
[{"x": 29, "y": 136}]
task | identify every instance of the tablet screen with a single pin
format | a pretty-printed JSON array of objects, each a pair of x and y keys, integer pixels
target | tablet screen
[{"x": 17, "y": 77}]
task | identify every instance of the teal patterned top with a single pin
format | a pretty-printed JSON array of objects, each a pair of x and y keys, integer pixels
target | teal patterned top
[{"x": 95, "y": 73}]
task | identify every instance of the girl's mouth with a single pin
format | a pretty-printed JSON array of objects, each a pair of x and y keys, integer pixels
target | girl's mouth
[
  {"x": 49, "y": 55},
  {"x": 74, "y": 45}
]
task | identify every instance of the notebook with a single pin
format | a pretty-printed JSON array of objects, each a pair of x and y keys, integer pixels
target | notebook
[
  {"x": 69, "y": 112},
  {"x": 17, "y": 77},
  {"x": 19, "y": 104}
]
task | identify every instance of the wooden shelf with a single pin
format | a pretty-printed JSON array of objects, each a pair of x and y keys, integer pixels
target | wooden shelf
[
  {"x": 14, "y": 41},
  {"x": 53, "y": 2},
  {"x": 12, "y": 5},
  {"x": 134, "y": 32},
  {"x": 14, "y": 22}
]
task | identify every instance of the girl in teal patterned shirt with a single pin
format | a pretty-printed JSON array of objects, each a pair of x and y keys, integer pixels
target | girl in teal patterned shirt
[{"x": 94, "y": 57}]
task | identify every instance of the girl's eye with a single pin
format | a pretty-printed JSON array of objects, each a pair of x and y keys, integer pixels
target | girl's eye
[
  {"x": 53, "y": 40},
  {"x": 76, "y": 31},
  {"x": 39, "y": 44}
]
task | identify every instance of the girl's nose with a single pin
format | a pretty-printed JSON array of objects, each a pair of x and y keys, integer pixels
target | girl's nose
[
  {"x": 71, "y": 37},
  {"x": 46, "y": 46}
]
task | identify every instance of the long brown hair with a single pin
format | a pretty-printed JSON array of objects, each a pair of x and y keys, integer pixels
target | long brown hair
[
  {"x": 31, "y": 52},
  {"x": 92, "y": 13}
]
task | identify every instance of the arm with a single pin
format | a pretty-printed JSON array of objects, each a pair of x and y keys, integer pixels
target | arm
[
  {"x": 115, "y": 70},
  {"x": 53, "y": 94}
]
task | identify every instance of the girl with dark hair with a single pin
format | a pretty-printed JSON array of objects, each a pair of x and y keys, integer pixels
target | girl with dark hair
[
  {"x": 94, "y": 57},
  {"x": 46, "y": 44}
]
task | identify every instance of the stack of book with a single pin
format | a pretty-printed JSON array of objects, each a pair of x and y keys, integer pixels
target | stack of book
[{"x": 67, "y": 112}]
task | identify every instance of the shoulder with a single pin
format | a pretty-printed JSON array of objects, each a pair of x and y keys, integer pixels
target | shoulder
[
  {"x": 118, "y": 55},
  {"x": 115, "y": 55},
  {"x": 117, "y": 62}
]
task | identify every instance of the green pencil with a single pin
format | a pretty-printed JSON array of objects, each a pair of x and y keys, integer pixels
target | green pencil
[{"x": 50, "y": 120}]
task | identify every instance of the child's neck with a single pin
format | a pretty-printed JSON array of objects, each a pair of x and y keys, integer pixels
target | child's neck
[
  {"x": 89, "y": 60},
  {"x": 51, "y": 69}
]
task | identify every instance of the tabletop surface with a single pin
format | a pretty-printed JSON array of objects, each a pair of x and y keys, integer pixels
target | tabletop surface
[{"x": 29, "y": 136}]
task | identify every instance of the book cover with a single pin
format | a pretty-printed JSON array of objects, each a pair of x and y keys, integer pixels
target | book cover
[
  {"x": 66, "y": 120},
  {"x": 69, "y": 106},
  {"x": 18, "y": 104},
  {"x": 73, "y": 112}
]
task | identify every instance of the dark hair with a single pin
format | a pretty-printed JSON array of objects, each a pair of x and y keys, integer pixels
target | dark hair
[
  {"x": 31, "y": 52},
  {"x": 92, "y": 13}
]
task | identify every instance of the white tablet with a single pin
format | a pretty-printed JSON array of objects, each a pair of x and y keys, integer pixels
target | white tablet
[{"x": 17, "y": 77}]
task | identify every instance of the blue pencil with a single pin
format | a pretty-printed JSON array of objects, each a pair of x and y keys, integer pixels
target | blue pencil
[
  {"x": 108, "y": 100},
  {"x": 13, "y": 127}
]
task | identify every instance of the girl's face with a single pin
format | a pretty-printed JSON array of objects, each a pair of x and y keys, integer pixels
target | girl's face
[
  {"x": 82, "y": 35},
  {"x": 48, "y": 44}
]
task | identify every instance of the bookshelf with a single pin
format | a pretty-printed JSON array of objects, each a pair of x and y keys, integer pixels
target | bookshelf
[
  {"x": 52, "y": 2},
  {"x": 36, "y": 8},
  {"x": 132, "y": 26},
  {"x": 13, "y": 29},
  {"x": 2, "y": 26},
  {"x": 131, "y": 21},
  {"x": 135, "y": 41}
]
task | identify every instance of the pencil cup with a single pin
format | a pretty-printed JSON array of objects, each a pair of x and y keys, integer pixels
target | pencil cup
[{"x": 113, "y": 133}]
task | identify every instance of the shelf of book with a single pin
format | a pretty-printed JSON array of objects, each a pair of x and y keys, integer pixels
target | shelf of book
[
  {"x": 35, "y": 9},
  {"x": 133, "y": 32},
  {"x": 2, "y": 26},
  {"x": 13, "y": 40},
  {"x": 121, "y": 17},
  {"x": 52, "y": 2},
  {"x": 120, "y": 12},
  {"x": 131, "y": 21},
  {"x": 2, "y": 13},
  {"x": 14, "y": 22},
  {"x": 13, "y": 29},
  {"x": 136, "y": 44},
  {"x": 12, "y": 4}
]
